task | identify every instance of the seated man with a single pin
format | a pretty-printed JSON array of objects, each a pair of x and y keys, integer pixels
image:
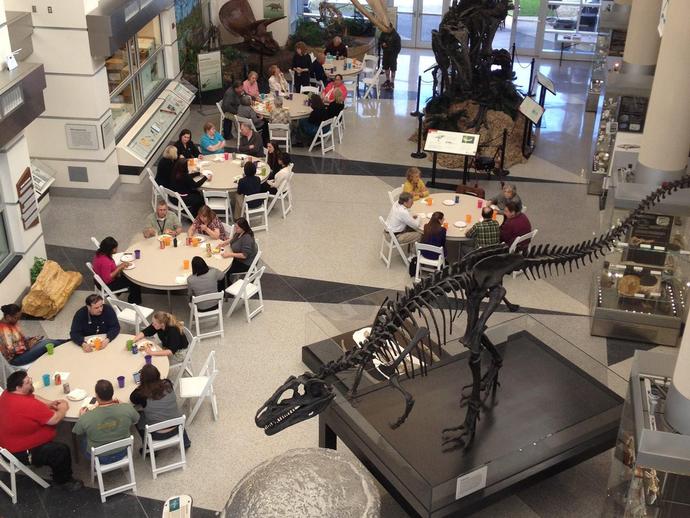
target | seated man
[
  {"x": 405, "y": 226},
  {"x": 515, "y": 225},
  {"x": 162, "y": 222},
  {"x": 337, "y": 48},
  {"x": 110, "y": 421},
  {"x": 249, "y": 184},
  {"x": 250, "y": 142},
  {"x": 317, "y": 71},
  {"x": 486, "y": 232},
  {"x": 27, "y": 429},
  {"x": 96, "y": 318}
]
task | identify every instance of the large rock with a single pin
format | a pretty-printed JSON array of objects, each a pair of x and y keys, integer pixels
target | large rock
[
  {"x": 306, "y": 482},
  {"x": 51, "y": 290}
]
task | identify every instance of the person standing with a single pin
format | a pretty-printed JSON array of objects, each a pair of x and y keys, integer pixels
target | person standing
[
  {"x": 231, "y": 101},
  {"x": 95, "y": 318},
  {"x": 389, "y": 48},
  {"x": 516, "y": 224},
  {"x": 301, "y": 65},
  {"x": 404, "y": 225},
  {"x": 27, "y": 429},
  {"x": 162, "y": 222},
  {"x": 15, "y": 347},
  {"x": 486, "y": 232}
]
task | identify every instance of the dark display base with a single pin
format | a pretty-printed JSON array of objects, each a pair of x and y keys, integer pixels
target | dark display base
[{"x": 548, "y": 412}]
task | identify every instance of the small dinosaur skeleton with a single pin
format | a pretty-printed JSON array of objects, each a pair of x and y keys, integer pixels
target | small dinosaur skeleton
[{"x": 406, "y": 321}]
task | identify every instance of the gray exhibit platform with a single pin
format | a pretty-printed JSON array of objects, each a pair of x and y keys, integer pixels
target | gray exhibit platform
[{"x": 548, "y": 414}]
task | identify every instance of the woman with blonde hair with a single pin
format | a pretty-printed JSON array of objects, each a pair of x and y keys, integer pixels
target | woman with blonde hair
[
  {"x": 165, "y": 167},
  {"x": 170, "y": 333},
  {"x": 414, "y": 184},
  {"x": 277, "y": 81}
]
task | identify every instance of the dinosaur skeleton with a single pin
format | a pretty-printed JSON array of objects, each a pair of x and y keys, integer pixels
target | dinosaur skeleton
[{"x": 406, "y": 321}]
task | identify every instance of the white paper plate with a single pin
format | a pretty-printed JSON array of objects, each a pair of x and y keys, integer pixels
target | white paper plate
[
  {"x": 449, "y": 203},
  {"x": 77, "y": 394},
  {"x": 206, "y": 172},
  {"x": 495, "y": 207},
  {"x": 90, "y": 340},
  {"x": 127, "y": 257},
  {"x": 131, "y": 266},
  {"x": 460, "y": 224},
  {"x": 219, "y": 158},
  {"x": 240, "y": 156},
  {"x": 201, "y": 238},
  {"x": 203, "y": 163}
]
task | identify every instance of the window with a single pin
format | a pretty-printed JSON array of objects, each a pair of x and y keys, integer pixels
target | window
[
  {"x": 4, "y": 240},
  {"x": 135, "y": 72}
]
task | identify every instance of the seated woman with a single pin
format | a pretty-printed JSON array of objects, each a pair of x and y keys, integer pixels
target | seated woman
[
  {"x": 186, "y": 186},
  {"x": 250, "y": 85},
  {"x": 165, "y": 166},
  {"x": 156, "y": 401},
  {"x": 434, "y": 234},
  {"x": 279, "y": 114},
  {"x": 337, "y": 105},
  {"x": 212, "y": 142},
  {"x": 104, "y": 266},
  {"x": 334, "y": 86},
  {"x": 272, "y": 154},
  {"x": 203, "y": 281},
  {"x": 414, "y": 184},
  {"x": 509, "y": 192},
  {"x": 245, "y": 110},
  {"x": 169, "y": 331},
  {"x": 277, "y": 81},
  {"x": 272, "y": 184},
  {"x": 247, "y": 185},
  {"x": 243, "y": 248},
  {"x": 301, "y": 66},
  {"x": 308, "y": 127},
  {"x": 185, "y": 147},
  {"x": 14, "y": 346},
  {"x": 207, "y": 222}
]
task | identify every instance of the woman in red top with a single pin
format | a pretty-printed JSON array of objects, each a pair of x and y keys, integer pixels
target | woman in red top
[
  {"x": 329, "y": 91},
  {"x": 104, "y": 266}
]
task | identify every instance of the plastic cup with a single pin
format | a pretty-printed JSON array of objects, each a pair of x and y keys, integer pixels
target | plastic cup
[
  {"x": 130, "y": 343},
  {"x": 429, "y": 201},
  {"x": 135, "y": 349},
  {"x": 121, "y": 381},
  {"x": 457, "y": 198},
  {"x": 195, "y": 241},
  {"x": 480, "y": 203},
  {"x": 185, "y": 264},
  {"x": 226, "y": 155},
  {"x": 468, "y": 218},
  {"x": 50, "y": 348},
  {"x": 46, "y": 380},
  {"x": 445, "y": 225},
  {"x": 137, "y": 254},
  {"x": 148, "y": 359},
  {"x": 493, "y": 216}
]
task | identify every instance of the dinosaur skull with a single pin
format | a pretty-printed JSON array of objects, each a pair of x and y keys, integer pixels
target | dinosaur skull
[{"x": 297, "y": 400}]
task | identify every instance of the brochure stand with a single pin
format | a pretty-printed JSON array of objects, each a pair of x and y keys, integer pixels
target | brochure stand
[
  {"x": 453, "y": 143},
  {"x": 533, "y": 113}
]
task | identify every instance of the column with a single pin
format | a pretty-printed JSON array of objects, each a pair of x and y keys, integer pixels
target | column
[
  {"x": 642, "y": 40},
  {"x": 678, "y": 399},
  {"x": 666, "y": 137}
]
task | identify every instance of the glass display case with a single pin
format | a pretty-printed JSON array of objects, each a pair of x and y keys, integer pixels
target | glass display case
[
  {"x": 606, "y": 137},
  {"x": 640, "y": 293},
  {"x": 650, "y": 469}
]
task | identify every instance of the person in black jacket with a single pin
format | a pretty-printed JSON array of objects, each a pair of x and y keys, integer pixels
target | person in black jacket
[
  {"x": 309, "y": 127},
  {"x": 183, "y": 183},
  {"x": 251, "y": 142},
  {"x": 389, "y": 47},
  {"x": 185, "y": 147},
  {"x": 165, "y": 165},
  {"x": 170, "y": 333},
  {"x": 301, "y": 65},
  {"x": 317, "y": 71},
  {"x": 337, "y": 48},
  {"x": 249, "y": 184},
  {"x": 96, "y": 318}
]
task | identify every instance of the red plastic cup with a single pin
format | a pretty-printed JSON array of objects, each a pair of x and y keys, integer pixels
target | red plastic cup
[
  {"x": 480, "y": 203},
  {"x": 226, "y": 155}
]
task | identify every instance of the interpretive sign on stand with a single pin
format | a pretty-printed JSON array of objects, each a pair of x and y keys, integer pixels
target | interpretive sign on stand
[
  {"x": 531, "y": 109},
  {"x": 546, "y": 83},
  {"x": 451, "y": 142},
  {"x": 210, "y": 71}
]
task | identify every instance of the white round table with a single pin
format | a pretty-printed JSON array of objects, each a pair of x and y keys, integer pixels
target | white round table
[
  {"x": 338, "y": 67},
  {"x": 295, "y": 104},
  {"x": 85, "y": 369},
  {"x": 468, "y": 205},
  {"x": 226, "y": 173}
]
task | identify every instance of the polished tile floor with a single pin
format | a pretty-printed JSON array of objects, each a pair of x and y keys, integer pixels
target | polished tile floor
[{"x": 325, "y": 254}]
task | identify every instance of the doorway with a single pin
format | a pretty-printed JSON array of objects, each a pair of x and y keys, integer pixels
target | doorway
[{"x": 416, "y": 20}]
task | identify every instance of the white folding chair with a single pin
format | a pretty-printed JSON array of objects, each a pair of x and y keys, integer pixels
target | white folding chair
[
  {"x": 229, "y": 229},
  {"x": 219, "y": 201},
  {"x": 132, "y": 314},
  {"x": 316, "y": 83},
  {"x": 178, "y": 206},
  {"x": 97, "y": 469},
  {"x": 156, "y": 191},
  {"x": 352, "y": 88},
  {"x": 259, "y": 211},
  {"x": 340, "y": 125},
  {"x": 310, "y": 89},
  {"x": 242, "y": 120},
  {"x": 196, "y": 315},
  {"x": 372, "y": 83},
  {"x": 186, "y": 365},
  {"x": 426, "y": 264},
  {"x": 394, "y": 194},
  {"x": 391, "y": 241},
  {"x": 280, "y": 133},
  {"x": 6, "y": 368},
  {"x": 323, "y": 134},
  {"x": 290, "y": 78},
  {"x": 521, "y": 239},
  {"x": 369, "y": 64},
  {"x": 152, "y": 445},
  {"x": 100, "y": 285},
  {"x": 201, "y": 387},
  {"x": 179, "y": 506},
  {"x": 244, "y": 289},
  {"x": 12, "y": 465},
  {"x": 284, "y": 194},
  {"x": 96, "y": 243},
  {"x": 219, "y": 105}
]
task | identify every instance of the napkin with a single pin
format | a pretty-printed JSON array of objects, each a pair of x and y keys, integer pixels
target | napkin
[
  {"x": 181, "y": 279},
  {"x": 63, "y": 375}
]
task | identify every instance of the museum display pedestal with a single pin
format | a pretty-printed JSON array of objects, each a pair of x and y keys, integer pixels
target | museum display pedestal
[{"x": 548, "y": 413}]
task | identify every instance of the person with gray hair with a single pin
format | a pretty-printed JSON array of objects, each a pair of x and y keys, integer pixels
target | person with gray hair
[
  {"x": 245, "y": 110},
  {"x": 405, "y": 226},
  {"x": 250, "y": 142},
  {"x": 509, "y": 192},
  {"x": 279, "y": 115}
]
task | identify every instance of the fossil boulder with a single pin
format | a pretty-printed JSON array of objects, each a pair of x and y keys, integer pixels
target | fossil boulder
[{"x": 51, "y": 290}]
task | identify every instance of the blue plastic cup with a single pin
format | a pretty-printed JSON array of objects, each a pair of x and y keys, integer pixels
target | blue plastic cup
[{"x": 46, "y": 380}]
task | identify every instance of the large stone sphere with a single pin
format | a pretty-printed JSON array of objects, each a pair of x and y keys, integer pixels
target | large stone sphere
[{"x": 306, "y": 482}]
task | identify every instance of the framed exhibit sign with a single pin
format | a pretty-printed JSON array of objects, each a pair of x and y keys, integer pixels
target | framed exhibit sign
[
  {"x": 531, "y": 109},
  {"x": 28, "y": 206},
  {"x": 274, "y": 9},
  {"x": 452, "y": 142},
  {"x": 210, "y": 71},
  {"x": 107, "y": 131},
  {"x": 82, "y": 136},
  {"x": 546, "y": 83}
]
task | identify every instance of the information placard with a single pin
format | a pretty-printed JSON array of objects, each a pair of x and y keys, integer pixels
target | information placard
[
  {"x": 531, "y": 109},
  {"x": 82, "y": 136},
  {"x": 27, "y": 199},
  {"x": 546, "y": 83},
  {"x": 452, "y": 142},
  {"x": 210, "y": 71}
]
